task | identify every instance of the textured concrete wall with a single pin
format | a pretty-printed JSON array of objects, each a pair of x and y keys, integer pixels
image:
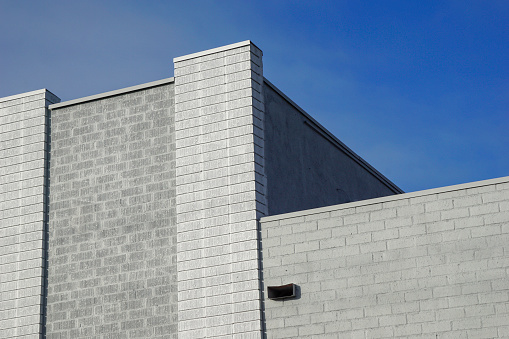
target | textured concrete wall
[
  {"x": 112, "y": 234},
  {"x": 430, "y": 264},
  {"x": 24, "y": 131},
  {"x": 305, "y": 167},
  {"x": 220, "y": 190}
]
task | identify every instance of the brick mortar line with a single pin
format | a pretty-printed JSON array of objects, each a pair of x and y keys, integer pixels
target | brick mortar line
[
  {"x": 29, "y": 128},
  {"x": 250, "y": 142},
  {"x": 218, "y": 215},
  {"x": 215, "y": 115},
  {"x": 9, "y": 236},
  {"x": 43, "y": 141},
  {"x": 17, "y": 122},
  {"x": 225, "y": 138},
  {"x": 212, "y": 56},
  {"x": 17, "y": 279},
  {"x": 24, "y": 288},
  {"x": 21, "y": 316},
  {"x": 218, "y": 112},
  {"x": 233, "y": 312},
  {"x": 26, "y": 95},
  {"x": 38, "y": 322},
  {"x": 22, "y": 206},
  {"x": 24, "y": 162},
  {"x": 226, "y": 128},
  {"x": 228, "y": 264},
  {"x": 253, "y": 161},
  {"x": 183, "y": 82},
  {"x": 19, "y": 198},
  {"x": 17, "y": 226},
  {"x": 215, "y": 76},
  {"x": 212, "y": 187},
  {"x": 23, "y": 103},
  {"x": 189, "y": 172},
  {"x": 249, "y": 86},
  {"x": 17, "y": 189},
  {"x": 20, "y": 261},
  {"x": 219, "y": 130},
  {"x": 229, "y": 205},
  {"x": 210, "y": 247},
  {"x": 227, "y": 313},
  {"x": 208, "y": 286},
  {"x": 225, "y": 195},
  {"x": 187, "y": 92},
  {"x": 178, "y": 64},
  {"x": 16, "y": 307},
  {"x": 24, "y": 111},
  {"x": 26, "y": 171},
  {"x": 36, "y": 249},
  {"x": 24, "y": 222},
  {"x": 219, "y": 102},
  {"x": 218, "y": 305},
  {"x": 206, "y": 180},
  {"x": 225, "y": 110},
  {"x": 249, "y": 60},
  {"x": 25, "y": 135}
]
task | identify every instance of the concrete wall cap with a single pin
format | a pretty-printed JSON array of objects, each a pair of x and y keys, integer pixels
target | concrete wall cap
[
  {"x": 22, "y": 95},
  {"x": 386, "y": 199},
  {"x": 112, "y": 93},
  {"x": 214, "y": 50}
]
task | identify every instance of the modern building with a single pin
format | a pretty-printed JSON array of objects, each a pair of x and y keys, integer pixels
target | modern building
[{"x": 210, "y": 205}]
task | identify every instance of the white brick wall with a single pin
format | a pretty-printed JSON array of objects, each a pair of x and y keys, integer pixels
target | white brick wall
[
  {"x": 430, "y": 264},
  {"x": 23, "y": 147},
  {"x": 220, "y": 190}
]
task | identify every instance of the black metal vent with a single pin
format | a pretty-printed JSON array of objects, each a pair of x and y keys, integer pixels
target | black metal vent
[{"x": 281, "y": 292}]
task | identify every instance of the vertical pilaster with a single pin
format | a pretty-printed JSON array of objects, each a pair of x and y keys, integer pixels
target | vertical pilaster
[
  {"x": 220, "y": 189},
  {"x": 24, "y": 150}
]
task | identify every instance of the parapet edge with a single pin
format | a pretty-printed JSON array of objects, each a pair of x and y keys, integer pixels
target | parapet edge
[
  {"x": 214, "y": 50},
  {"x": 26, "y": 94},
  {"x": 113, "y": 93},
  {"x": 388, "y": 198}
]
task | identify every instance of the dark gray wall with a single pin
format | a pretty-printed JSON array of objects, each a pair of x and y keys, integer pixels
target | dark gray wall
[
  {"x": 112, "y": 233},
  {"x": 304, "y": 169}
]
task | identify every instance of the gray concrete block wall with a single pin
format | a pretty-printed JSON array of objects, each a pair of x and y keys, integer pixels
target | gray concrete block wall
[
  {"x": 430, "y": 264},
  {"x": 306, "y": 167},
  {"x": 220, "y": 190},
  {"x": 112, "y": 232},
  {"x": 24, "y": 139}
]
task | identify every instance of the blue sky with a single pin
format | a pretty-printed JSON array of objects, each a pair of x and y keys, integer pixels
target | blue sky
[{"x": 420, "y": 89}]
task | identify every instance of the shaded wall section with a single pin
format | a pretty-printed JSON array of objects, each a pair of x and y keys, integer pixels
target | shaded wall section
[
  {"x": 429, "y": 264},
  {"x": 24, "y": 149},
  {"x": 112, "y": 237},
  {"x": 307, "y": 167}
]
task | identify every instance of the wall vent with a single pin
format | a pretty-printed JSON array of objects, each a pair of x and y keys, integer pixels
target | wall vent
[{"x": 281, "y": 292}]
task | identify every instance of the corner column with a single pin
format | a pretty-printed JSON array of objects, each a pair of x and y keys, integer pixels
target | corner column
[
  {"x": 220, "y": 190},
  {"x": 24, "y": 154}
]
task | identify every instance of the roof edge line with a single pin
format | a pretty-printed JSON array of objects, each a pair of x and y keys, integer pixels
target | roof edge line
[
  {"x": 213, "y": 50},
  {"x": 112, "y": 93},
  {"x": 336, "y": 142},
  {"x": 26, "y": 94},
  {"x": 387, "y": 198}
]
